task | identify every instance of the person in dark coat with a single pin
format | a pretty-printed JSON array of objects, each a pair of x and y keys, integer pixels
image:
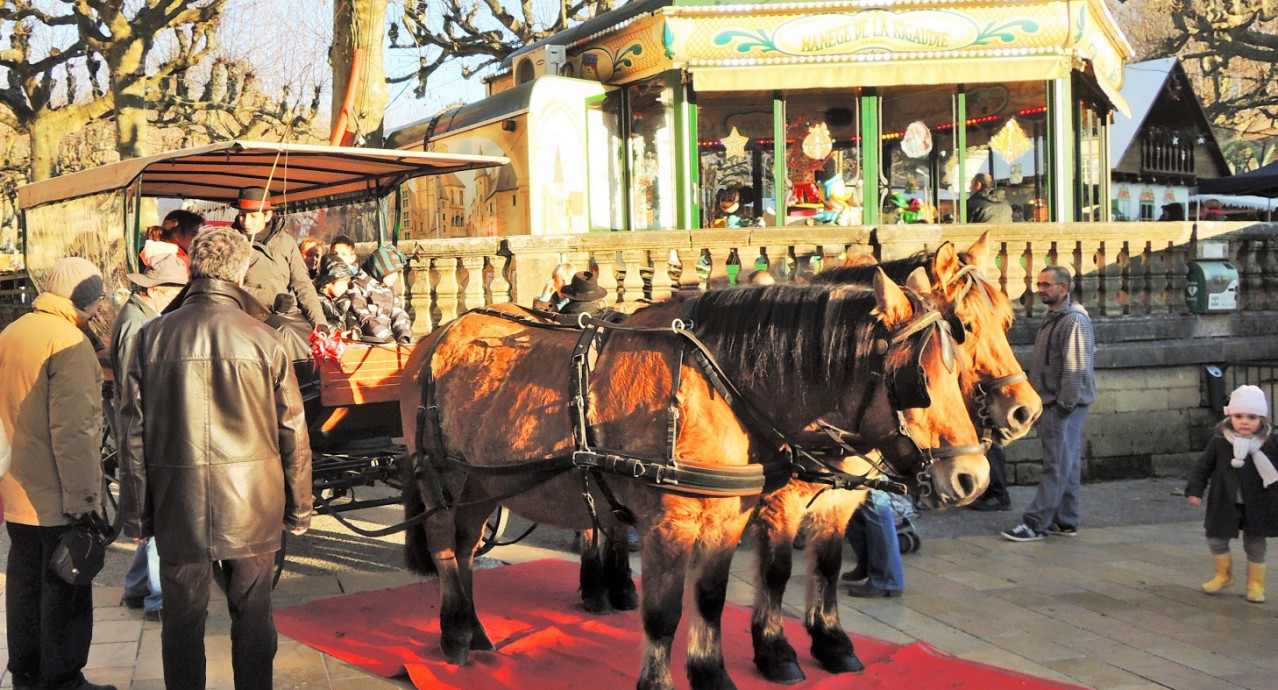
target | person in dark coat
[
  {"x": 986, "y": 204},
  {"x": 158, "y": 285},
  {"x": 215, "y": 461},
  {"x": 276, "y": 266},
  {"x": 584, "y": 294},
  {"x": 1236, "y": 470},
  {"x": 332, "y": 282}
]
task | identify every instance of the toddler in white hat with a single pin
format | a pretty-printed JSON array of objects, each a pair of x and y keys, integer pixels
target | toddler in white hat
[{"x": 1241, "y": 484}]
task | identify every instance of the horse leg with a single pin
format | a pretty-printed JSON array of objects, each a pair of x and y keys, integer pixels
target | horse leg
[
  {"x": 616, "y": 570},
  {"x": 665, "y": 563},
  {"x": 469, "y": 531},
  {"x": 777, "y": 523},
  {"x": 705, "y": 666},
  {"x": 594, "y": 586},
  {"x": 831, "y": 646},
  {"x": 430, "y": 548}
]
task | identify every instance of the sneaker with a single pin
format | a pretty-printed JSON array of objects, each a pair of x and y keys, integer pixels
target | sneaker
[
  {"x": 1060, "y": 530},
  {"x": 1022, "y": 532},
  {"x": 987, "y": 504}
]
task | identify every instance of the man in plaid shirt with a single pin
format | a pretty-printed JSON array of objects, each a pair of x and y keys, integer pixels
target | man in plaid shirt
[{"x": 1063, "y": 375}]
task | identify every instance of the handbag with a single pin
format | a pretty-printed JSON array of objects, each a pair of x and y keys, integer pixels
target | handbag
[{"x": 81, "y": 551}]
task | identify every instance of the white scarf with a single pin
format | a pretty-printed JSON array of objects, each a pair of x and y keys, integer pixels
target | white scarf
[{"x": 1245, "y": 446}]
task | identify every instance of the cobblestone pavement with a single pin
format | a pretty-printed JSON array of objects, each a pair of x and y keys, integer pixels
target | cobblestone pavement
[{"x": 1116, "y": 607}]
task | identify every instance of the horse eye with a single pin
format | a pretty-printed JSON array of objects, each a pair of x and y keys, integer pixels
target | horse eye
[{"x": 969, "y": 327}]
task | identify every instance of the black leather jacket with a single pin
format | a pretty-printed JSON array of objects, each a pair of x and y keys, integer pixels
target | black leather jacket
[{"x": 216, "y": 459}]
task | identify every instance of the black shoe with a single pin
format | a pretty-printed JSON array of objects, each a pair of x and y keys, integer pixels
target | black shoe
[
  {"x": 154, "y": 616},
  {"x": 93, "y": 686},
  {"x": 133, "y": 602},
  {"x": 989, "y": 504},
  {"x": 856, "y": 574},
  {"x": 869, "y": 591}
]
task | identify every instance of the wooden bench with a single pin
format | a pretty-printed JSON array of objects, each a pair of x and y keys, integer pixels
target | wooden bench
[{"x": 366, "y": 373}]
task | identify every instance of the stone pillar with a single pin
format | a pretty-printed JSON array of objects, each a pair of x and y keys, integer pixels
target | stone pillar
[{"x": 900, "y": 241}]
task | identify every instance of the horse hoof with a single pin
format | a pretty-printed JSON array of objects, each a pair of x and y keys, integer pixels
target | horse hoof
[
  {"x": 597, "y": 604},
  {"x": 456, "y": 655},
  {"x": 842, "y": 663},
  {"x": 785, "y": 673},
  {"x": 481, "y": 643},
  {"x": 627, "y": 600}
]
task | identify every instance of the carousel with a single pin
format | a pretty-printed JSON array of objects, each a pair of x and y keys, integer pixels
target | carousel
[{"x": 698, "y": 114}]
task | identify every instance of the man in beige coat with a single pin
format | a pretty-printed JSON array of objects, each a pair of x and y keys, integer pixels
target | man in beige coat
[{"x": 51, "y": 402}]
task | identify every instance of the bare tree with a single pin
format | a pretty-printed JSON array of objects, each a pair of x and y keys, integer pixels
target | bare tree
[
  {"x": 479, "y": 33},
  {"x": 1228, "y": 48}
]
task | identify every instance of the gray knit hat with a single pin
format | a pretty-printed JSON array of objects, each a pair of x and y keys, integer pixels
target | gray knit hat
[{"x": 76, "y": 279}]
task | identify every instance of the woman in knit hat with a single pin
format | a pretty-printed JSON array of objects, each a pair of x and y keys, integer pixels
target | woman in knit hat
[{"x": 1237, "y": 472}]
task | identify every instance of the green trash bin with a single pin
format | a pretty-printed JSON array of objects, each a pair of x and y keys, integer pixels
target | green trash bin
[{"x": 1212, "y": 287}]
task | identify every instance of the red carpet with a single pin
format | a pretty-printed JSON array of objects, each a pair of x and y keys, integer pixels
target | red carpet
[{"x": 545, "y": 639}]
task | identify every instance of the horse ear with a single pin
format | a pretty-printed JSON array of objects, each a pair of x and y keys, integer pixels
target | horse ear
[
  {"x": 979, "y": 252},
  {"x": 945, "y": 264},
  {"x": 919, "y": 282},
  {"x": 894, "y": 307}
]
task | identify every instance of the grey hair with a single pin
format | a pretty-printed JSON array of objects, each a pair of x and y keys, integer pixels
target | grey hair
[
  {"x": 1059, "y": 273},
  {"x": 220, "y": 253}
]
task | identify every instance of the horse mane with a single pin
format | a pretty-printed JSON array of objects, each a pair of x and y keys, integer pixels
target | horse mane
[
  {"x": 813, "y": 334},
  {"x": 898, "y": 270}
]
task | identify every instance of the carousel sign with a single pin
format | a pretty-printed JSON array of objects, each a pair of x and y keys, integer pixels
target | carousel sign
[{"x": 875, "y": 30}]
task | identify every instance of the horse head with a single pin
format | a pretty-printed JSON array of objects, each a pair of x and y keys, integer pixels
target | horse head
[
  {"x": 998, "y": 392},
  {"x": 917, "y": 416}
]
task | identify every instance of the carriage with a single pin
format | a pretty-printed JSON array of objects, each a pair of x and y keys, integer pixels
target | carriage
[{"x": 101, "y": 214}]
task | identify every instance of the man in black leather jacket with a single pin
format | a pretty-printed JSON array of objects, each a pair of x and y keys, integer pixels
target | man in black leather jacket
[{"x": 215, "y": 461}]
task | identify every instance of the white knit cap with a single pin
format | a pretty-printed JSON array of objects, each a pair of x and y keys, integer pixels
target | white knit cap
[
  {"x": 1248, "y": 400},
  {"x": 75, "y": 279}
]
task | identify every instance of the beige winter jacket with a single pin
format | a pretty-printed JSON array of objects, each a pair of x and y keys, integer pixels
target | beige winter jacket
[{"x": 51, "y": 402}]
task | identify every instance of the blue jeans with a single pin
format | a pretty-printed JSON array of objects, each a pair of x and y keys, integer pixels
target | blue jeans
[
  {"x": 872, "y": 533},
  {"x": 143, "y": 578},
  {"x": 1056, "y": 501}
]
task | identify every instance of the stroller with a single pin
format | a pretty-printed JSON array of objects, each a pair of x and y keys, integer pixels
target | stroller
[{"x": 904, "y": 510}]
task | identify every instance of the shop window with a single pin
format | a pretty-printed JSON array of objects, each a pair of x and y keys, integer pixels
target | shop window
[
  {"x": 823, "y": 158},
  {"x": 652, "y": 155},
  {"x": 919, "y": 159},
  {"x": 1006, "y": 132},
  {"x": 734, "y": 146}
]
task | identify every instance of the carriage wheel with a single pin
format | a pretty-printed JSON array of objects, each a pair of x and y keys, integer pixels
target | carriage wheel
[
  {"x": 494, "y": 527},
  {"x": 918, "y": 544},
  {"x": 907, "y": 542}
]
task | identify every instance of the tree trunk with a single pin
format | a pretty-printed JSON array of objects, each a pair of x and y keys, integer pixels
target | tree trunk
[
  {"x": 45, "y": 136},
  {"x": 360, "y": 24},
  {"x": 128, "y": 86}
]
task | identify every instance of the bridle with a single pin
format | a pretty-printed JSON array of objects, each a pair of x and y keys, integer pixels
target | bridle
[{"x": 986, "y": 387}]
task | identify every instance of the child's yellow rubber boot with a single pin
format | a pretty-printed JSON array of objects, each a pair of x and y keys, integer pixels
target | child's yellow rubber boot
[
  {"x": 1256, "y": 582},
  {"x": 1224, "y": 574}
]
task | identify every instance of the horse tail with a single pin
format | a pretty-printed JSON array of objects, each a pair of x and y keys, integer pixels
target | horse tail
[{"x": 416, "y": 549}]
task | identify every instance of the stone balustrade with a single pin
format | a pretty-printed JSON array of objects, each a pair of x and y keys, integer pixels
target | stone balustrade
[{"x": 1126, "y": 269}]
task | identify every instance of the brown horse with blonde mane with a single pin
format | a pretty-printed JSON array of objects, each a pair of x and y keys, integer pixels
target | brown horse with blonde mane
[
  {"x": 1000, "y": 401},
  {"x": 503, "y": 394}
]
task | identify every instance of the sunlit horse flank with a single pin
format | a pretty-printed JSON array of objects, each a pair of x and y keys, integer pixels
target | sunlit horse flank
[
  {"x": 501, "y": 389},
  {"x": 998, "y": 398}
]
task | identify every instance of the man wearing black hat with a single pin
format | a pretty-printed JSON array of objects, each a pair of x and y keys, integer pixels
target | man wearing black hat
[
  {"x": 584, "y": 294},
  {"x": 276, "y": 266}
]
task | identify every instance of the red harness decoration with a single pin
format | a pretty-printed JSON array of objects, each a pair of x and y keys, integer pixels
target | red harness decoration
[{"x": 326, "y": 345}]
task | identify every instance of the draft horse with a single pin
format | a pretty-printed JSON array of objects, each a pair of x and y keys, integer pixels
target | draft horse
[
  {"x": 1000, "y": 402},
  {"x": 490, "y": 394}
]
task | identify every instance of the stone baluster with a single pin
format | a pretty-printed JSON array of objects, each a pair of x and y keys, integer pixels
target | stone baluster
[
  {"x": 1269, "y": 270},
  {"x": 688, "y": 278},
  {"x": 1023, "y": 272},
  {"x": 417, "y": 294},
  {"x": 1166, "y": 279},
  {"x": 500, "y": 287},
  {"x": 473, "y": 288},
  {"x": 1105, "y": 283},
  {"x": 635, "y": 262},
  {"x": 606, "y": 266},
  {"x": 1252, "y": 283},
  {"x": 1180, "y": 257},
  {"x": 718, "y": 266},
  {"x": 447, "y": 288},
  {"x": 1138, "y": 276},
  {"x": 662, "y": 276},
  {"x": 1123, "y": 268},
  {"x": 1080, "y": 257}
]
